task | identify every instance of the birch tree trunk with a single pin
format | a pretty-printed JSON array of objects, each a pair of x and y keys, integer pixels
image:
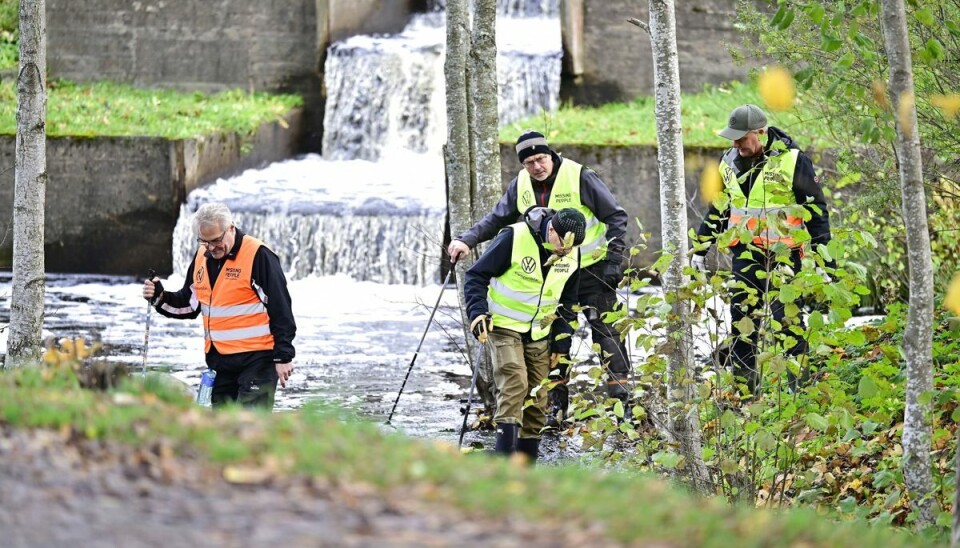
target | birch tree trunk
[
  {"x": 26, "y": 304},
  {"x": 683, "y": 419},
  {"x": 482, "y": 92},
  {"x": 918, "y": 333},
  {"x": 460, "y": 166},
  {"x": 485, "y": 120}
]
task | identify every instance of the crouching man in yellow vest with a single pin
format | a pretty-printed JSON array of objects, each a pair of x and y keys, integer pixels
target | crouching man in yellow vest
[{"x": 520, "y": 296}]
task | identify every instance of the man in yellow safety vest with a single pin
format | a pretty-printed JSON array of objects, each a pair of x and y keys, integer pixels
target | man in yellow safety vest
[
  {"x": 549, "y": 180},
  {"x": 520, "y": 296},
  {"x": 768, "y": 190}
]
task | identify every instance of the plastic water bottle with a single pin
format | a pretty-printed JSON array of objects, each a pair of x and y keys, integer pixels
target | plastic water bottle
[{"x": 205, "y": 391}]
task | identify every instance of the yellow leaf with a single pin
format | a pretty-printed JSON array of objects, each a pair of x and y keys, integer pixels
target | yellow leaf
[
  {"x": 880, "y": 94},
  {"x": 245, "y": 475},
  {"x": 949, "y": 105},
  {"x": 777, "y": 88},
  {"x": 952, "y": 300},
  {"x": 710, "y": 184},
  {"x": 905, "y": 113},
  {"x": 51, "y": 357}
]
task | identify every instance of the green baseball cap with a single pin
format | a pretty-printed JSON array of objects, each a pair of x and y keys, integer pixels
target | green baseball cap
[{"x": 744, "y": 119}]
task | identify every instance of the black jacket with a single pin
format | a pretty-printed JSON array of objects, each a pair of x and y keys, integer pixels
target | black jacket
[
  {"x": 497, "y": 259},
  {"x": 806, "y": 189},
  {"x": 595, "y": 196},
  {"x": 268, "y": 276}
]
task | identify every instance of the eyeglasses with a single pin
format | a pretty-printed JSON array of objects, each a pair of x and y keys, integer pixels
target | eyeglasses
[
  {"x": 215, "y": 242},
  {"x": 541, "y": 159}
]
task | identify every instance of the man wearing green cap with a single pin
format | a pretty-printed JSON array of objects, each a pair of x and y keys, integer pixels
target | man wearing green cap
[
  {"x": 520, "y": 296},
  {"x": 549, "y": 180},
  {"x": 763, "y": 185}
]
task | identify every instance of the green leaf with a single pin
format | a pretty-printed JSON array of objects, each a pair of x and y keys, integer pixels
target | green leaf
[
  {"x": 766, "y": 441},
  {"x": 934, "y": 49},
  {"x": 816, "y": 321},
  {"x": 867, "y": 388},
  {"x": 729, "y": 466},
  {"x": 816, "y": 421},
  {"x": 728, "y": 419},
  {"x": 666, "y": 459},
  {"x": 816, "y": 12},
  {"x": 831, "y": 43},
  {"x": 926, "y": 18},
  {"x": 845, "y": 62},
  {"x": 778, "y": 17},
  {"x": 746, "y": 327},
  {"x": 788, "y": 294},
  {"x": 787, "y": 19}
]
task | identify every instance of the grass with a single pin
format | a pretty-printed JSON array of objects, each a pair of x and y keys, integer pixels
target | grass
[
  {"x": 117, "y": 110},
  {"x": 634, "y": 123},
  {"x": 9, "y": 34},
  {"x": 317, "y": 443}
]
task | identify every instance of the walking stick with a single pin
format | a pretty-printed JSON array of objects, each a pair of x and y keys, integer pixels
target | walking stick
[
  {"x": 422, "y": 337},
  {"x": 151, "y": 274},
  {"x": 473, "y": 384}
]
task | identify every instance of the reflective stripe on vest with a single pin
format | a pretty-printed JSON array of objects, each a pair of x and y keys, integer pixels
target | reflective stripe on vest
[
  {"x": 766, "y": 212},
  {"x": 520, "y": 299},
  {"x": 234, "y": 318},
  {"x": 566, "y": 193}
]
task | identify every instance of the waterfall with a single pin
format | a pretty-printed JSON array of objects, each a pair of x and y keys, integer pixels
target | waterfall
[
  {"x": 380, "y": 222},
  {"x": 385, "y": 93},
  {"x": 373, "y": 206}
]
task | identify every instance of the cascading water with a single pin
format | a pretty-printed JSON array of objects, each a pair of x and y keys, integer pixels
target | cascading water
[{"x": 373, "y": 207}]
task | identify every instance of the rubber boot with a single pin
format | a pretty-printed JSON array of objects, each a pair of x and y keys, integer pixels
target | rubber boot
[
  {"x": 506, "y": 439},
  {"x": 529, "y": 447},
  {"x": 558, "y": 399}
]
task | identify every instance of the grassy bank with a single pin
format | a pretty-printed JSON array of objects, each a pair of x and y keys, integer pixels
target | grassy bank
[
  {"x": 117, "y": 110},
  {"x": 9, "y": 34},
  {"x": 634, "y": 123},
  {"x": 319, "y": 444}
]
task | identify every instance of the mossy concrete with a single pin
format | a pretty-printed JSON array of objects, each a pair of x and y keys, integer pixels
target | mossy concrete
[{"x": 112, "y": 202}]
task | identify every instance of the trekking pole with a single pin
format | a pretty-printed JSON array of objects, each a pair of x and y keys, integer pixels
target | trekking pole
[
  {"x": 151, "y": 274},
  {"x": 422, "y": 337},
  {"x": 473, "y": 384}
]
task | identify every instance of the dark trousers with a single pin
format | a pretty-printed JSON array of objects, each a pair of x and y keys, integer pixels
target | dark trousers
[
  {"x": 597, "y": 297},
  {"x": 743, "y": 304},
  {"x": 251, "y": 384}
]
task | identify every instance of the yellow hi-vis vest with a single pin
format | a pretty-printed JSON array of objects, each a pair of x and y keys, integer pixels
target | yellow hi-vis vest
[
  {"x": 521, "y": 299},
  {"x": 766, "y": 212},
  {"x": 235, "y": 320},
  {"x": 566, "y": 193}
]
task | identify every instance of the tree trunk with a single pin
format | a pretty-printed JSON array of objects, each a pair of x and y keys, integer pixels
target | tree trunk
[
  {"x": 485, "y": 121},
  {"x": 683, "y": 421},
  {"x": 918, "y": 334},
  {"x": 484, "y": 124},
  {"x": 459, "y": 162},
  {"x": 26, "y": 304}
]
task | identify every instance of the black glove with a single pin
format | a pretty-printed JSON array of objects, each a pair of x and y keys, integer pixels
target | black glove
[
  {"x": 481, "y": 327},
  {"x": 157, "y": 288},
  {"x": 612, "y": 274}
]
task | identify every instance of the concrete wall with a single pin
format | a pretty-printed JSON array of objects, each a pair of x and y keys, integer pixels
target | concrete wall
[
  {"x": 112, "y": 203},
  {"x": 632, "y": 174},
  {"x": 213, "y": 45},
  {"x": 617, "y": 62}
]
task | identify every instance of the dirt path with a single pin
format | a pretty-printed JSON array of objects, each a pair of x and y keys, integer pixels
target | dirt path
[{"x": 57, "y": 489}]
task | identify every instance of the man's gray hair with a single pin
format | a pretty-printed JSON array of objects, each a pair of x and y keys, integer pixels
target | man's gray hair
[{"x": 214, "y": 214}]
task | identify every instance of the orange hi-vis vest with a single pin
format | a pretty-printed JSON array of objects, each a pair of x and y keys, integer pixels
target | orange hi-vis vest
[{"x": 235, "y": 320}]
